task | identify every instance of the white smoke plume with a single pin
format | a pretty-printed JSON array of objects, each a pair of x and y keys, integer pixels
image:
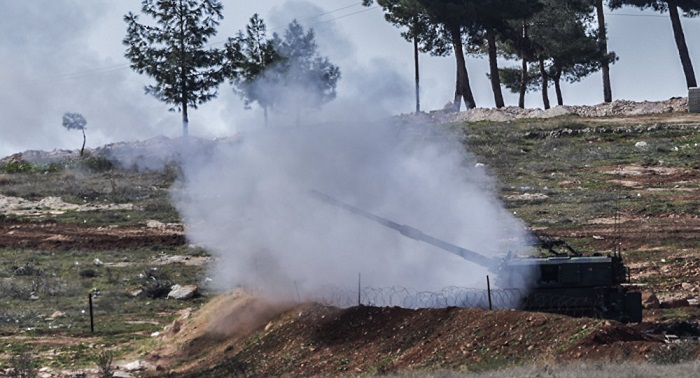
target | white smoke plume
[{"x": 249, "y": 203}]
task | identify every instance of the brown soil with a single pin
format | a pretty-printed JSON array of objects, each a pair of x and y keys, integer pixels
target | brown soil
[
  {"x": 316, "y": 340},
  {"x": 49, "y": 235}
]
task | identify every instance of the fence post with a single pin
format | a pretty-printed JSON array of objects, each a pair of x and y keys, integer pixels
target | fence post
[
  {"x": 488, "y": 290},
  {"x": 359, "y": 289},
  {"x": 297, "y": 290},
  {"x": 92, "y": 322}
]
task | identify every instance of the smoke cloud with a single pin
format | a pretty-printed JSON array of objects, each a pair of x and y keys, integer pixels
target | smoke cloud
[{"x": 249, "y": 203}]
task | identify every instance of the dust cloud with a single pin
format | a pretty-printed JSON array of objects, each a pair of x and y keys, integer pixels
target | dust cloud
[{"x": 249, "y": 203}]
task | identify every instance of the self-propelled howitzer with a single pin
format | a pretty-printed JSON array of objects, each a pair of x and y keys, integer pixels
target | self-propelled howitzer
[{"x": 578, "y": 285}]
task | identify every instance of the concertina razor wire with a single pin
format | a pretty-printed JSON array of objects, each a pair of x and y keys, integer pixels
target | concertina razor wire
[{"x": 453, "y": 296}]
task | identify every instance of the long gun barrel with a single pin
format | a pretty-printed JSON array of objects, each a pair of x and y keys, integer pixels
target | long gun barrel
[{"x": 413, "y": 233}]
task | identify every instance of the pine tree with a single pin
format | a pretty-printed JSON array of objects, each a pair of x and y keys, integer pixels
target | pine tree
[
  {"x": 473, "y": 23},
  {"x": 565, "y": 41},
  {"x": 556, "y": 43},
  {"x": 303, "y": 69},
  {"x": 493, "y": 20},
  {"x": 607, "y": 58},
  {"x": 691, "y": 8},
  {"x": 284, "y": 73},
  {"x": 173, "y": 51},
  {"x": 451, "y": 18},
  {"x": 252, "y": 53}
]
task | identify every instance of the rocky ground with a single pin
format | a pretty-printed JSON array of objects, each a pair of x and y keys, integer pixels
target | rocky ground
[
  {"x": 617, "y": 108},
  {"x": 240, "y": 334}
]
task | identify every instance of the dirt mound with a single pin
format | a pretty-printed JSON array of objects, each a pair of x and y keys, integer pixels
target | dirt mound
[
  {"x": 194, "y": 340},
  {"x": 242, "y": 334}
]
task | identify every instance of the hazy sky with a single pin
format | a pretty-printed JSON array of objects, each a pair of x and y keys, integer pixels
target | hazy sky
[{"x": 66, "y": 55}]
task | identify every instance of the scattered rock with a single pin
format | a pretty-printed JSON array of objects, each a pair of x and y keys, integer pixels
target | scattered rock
[
  {"x": 527, "y": 197},
  {"x": 151, "y": 223},
  {"x": 182, "y": 292},
  {"x": 135, "y": 366},
  {"x": 50, "y": 205},
  {"x": 173, "y": 328},
  {"x": 507, "y": 114},
  {"x": 650, "y": 300}
]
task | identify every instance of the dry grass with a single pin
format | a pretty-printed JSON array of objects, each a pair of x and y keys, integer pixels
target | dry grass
[{"x": 584, "y": 370}]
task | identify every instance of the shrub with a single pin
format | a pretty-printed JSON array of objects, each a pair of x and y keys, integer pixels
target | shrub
[
  {"x": 97, "y": 163},
  {"x": 157, "y": 289},
  {"x": 28, "y": 269},
  {"x": 17, "y": 166},
  {"x": 14, "y": 290},
  {"x": 104, "y": 364},
  {"x": 88, "y": 273},
  {"x": 22, "y": 366},
  {"x": 157, "y": 284},
  {"x": 21, "y": 166},
  {"x": 674, "y": 353}
]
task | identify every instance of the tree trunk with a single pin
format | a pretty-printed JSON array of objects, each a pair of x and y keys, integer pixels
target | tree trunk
[
  {"x": 493, "y": 68},
  {"x": 603, "y": 45},
  {"x": 82, "y": 149},
  {"x": 523, "y": 75},
  {"x": 185, "y": 121},
  {"x": 463, "y": 89},
  {"x": 680, "y": 43},
  {"x": 545, "y": 84},
  {"x": 457, "y": 101},
  {"x": 557, "y": 86},
  {"x": 183, "y": 77},
  {"x": 416, "y": 65}
]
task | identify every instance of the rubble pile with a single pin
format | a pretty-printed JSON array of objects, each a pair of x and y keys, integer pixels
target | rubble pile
[{"x": 616, "y": 108}]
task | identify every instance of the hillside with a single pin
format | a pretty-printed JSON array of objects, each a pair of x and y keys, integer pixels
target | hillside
[{"x": 71, "y": 226}]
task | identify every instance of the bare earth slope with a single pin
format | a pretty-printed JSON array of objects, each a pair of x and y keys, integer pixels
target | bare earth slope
[{"x": 316, "y": 340}]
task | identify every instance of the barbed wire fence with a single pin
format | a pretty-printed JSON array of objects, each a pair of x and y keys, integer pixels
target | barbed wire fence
[{"x": 453, "y": 296}]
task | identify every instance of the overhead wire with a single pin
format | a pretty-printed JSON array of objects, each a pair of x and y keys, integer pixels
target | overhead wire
[
  {"x": 119, "y": 67},
  {"x": 635, "y": 15},
  {"x": 78, "y": 75},
  {"x": 124, "y": 66}
]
